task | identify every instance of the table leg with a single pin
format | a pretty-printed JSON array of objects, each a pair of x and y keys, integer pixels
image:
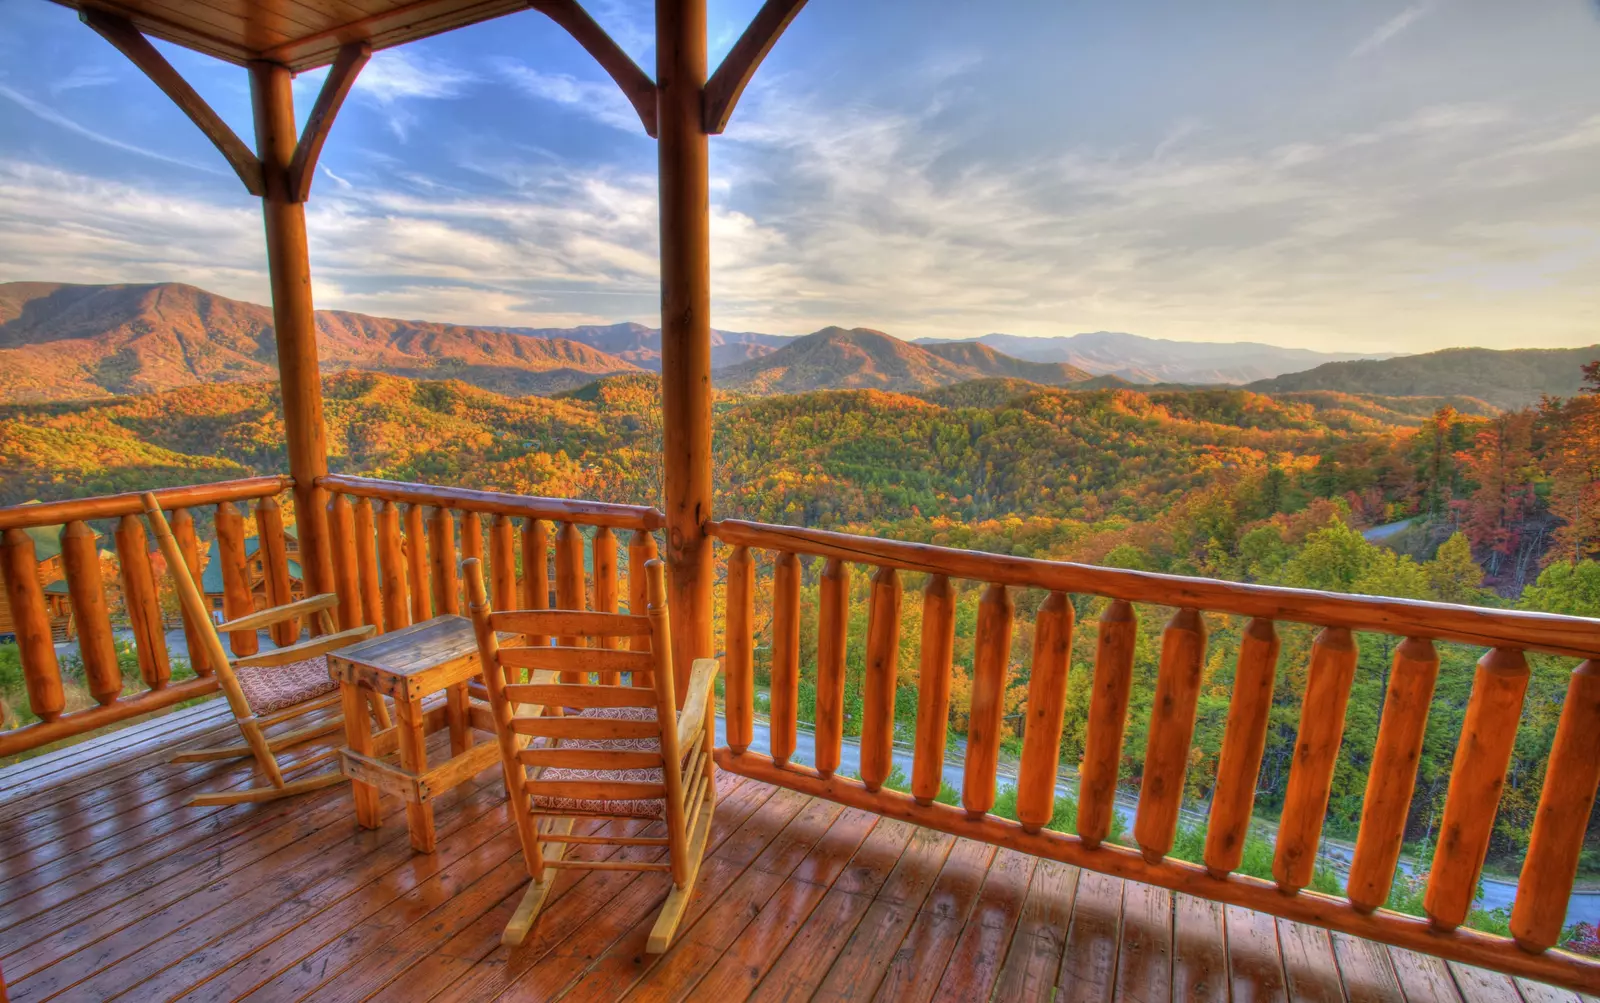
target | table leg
[
  {"x": 358, "y": 736},
  {"x": 414, "y": 759},
  {"x": 460, "y": 723}
]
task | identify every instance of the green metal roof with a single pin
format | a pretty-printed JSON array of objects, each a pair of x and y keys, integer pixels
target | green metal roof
[{"x": 211, "y": 577}]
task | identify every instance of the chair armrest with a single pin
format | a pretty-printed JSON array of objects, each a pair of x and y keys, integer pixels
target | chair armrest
[
  {"x": 278, "y": 614},
  {"x": 697, "y": 702}
]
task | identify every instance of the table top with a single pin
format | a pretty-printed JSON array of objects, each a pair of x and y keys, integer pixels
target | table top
[{"x": 413, "y": 661}]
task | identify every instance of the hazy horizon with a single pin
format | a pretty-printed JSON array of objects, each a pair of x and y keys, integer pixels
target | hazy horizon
[{"x": 1382, "y": 177}]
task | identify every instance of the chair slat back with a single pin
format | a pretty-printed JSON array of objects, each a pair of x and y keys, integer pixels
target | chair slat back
[{"x": 612, "y": 719}]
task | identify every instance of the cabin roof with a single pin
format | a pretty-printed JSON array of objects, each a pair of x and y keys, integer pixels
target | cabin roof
[
  {"x": 211, "y": 577},
  {"x": 300, "y": 34}
]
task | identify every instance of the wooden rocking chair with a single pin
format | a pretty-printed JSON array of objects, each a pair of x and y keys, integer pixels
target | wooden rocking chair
[
  {"x": 269, "y": 688},
  {"x": 620, "y": 752}
]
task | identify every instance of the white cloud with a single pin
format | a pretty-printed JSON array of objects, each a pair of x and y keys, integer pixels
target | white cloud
[
  {"x": 601, "y": 100},
  {"x": 48, "y": 114},
  {"x": 1384, "y": 33},
  {"x": 82, "y": 76},
  {"x": 395, "y": 77}
]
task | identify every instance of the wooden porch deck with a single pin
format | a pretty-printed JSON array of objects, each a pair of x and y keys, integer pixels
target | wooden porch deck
[{"x": 111, "y": 889}]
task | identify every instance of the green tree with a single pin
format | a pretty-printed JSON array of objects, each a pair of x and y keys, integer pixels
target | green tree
[
  {"x": 1572, "y": 589},
  {"x": 1453, "y": 575}
]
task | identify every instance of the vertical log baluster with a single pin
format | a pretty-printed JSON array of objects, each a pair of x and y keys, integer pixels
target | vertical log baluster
[
  {"x": 442, "y": 557},
  {"x": 986, "y": 717},
  {"x": 342, "y": 548},
  {"x": 1571, "y": 780},
  {"x": 1243, "y": 743},
  {"x": 1392, "y": 778},
  {"x": 739, "y": 644},
  {"x": 1316, "y": 754},
  {"x": 274, "y": 554},
  {"x": 833, "y": 618},
  {"x": 569, "y": 585},
  {"x": 143, "y": 602},
  {"x": 391, "y": 552},
  {"x": 536, "y": 570},
  {"x": 933, "y": 688},
  {"x": 1166, "y": 759},
  {"x": 878, "y": 688},
  {"x": 1046, "y": 711},
  {"x": 367, "y": 565},
  {"x": 30, "y": 619},
  {"x": 1488, "y": 733},
  {"x": 237, "y": 597},
  {"x": 1117, "y": 631},
  {"x": 193, "y": 636},
  {"x": 80, "y": 559},
  {"x": 417, "y": 564},
  {"x": 471, "y": 548},
  {"x": 641, "y": 551},
  {"x": 785, "y": 656},
  {"x": 604, "y": 549},
  {"x": 503, "y": 566}
]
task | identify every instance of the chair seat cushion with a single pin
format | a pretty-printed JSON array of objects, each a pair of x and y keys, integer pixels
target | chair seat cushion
[
  {"x": 639, "y": 808},
  {"x": 269, "y": 688}
]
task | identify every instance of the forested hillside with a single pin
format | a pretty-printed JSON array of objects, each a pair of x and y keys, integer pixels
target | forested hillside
[{"x": 1509, "y": 379}]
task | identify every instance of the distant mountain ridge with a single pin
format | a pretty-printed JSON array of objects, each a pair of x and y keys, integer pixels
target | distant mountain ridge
[
  {"x": 64, "y": 342},
  {"x": 1156, "y": 360},
  {"x": 1508, "y": 379},
  {"x": 835, "y": 358},
  {"x": 641, "y": 345}
]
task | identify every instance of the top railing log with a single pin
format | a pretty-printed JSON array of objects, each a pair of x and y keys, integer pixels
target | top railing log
[
  {"x": 1546, "y": 632},
  {"x": 114, "y": 506},
  {"x": 589, "y": 513}
]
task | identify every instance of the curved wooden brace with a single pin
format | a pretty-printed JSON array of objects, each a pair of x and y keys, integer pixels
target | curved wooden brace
[
  {"x": 740, "y": 64},
  {"x": 120, "y": 32},
  {"x": 639, "y": 89},
  {"x": 341, "y": 77}
]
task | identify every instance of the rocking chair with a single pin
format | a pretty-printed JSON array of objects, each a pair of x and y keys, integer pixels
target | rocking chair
[
  {"x": 617, "y": 752},
  {"x": 268, "y": 688}
]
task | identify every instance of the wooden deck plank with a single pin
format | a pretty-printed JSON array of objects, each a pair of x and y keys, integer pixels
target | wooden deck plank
[
  {"x": 749, "y": 957},
  {"x": 1309, "y": 964},
  {"x": 1366, "y": 971},
  {"x": 609, "y": 928},
  {"x": 975, "y": 963},
  {"x": 920, "y": 961},
  {"x": 1480, "y": 986},
  {"x": 1538, "y": 992},
  {"x": 1255, "y": 961},
  {"x": 1423, "y": 979},
  {"x": 1144, "y": 964},
  {"x": 1199, "y": 951},
  {"x": 1034, "y": 958},
  {"x": 728, "y": 894},
  {"x": 1089, "y": 961},
  {"x": 802, "y": 967},
  {"x": 855, "y": 973}
]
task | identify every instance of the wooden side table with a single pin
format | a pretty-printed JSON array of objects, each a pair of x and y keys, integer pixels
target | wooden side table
[{"x": 437, "y": 655}]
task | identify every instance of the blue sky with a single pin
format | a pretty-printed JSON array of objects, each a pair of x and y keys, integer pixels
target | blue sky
[{"x": 1363, "y": 175}]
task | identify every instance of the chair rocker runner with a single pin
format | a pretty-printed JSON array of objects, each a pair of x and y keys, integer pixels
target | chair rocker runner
[
  {"x": 269, "y": 688},
  {"x": 615, "y": 752}
]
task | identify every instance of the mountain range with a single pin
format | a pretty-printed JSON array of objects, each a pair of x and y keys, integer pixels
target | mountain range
[
  {"x": 1511, "y": 378},
  {"x": 1157, "y": 360},
  {"x": 641, "y": 345}
]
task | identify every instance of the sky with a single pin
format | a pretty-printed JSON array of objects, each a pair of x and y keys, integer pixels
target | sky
[{"x": 1367, "y": 175}]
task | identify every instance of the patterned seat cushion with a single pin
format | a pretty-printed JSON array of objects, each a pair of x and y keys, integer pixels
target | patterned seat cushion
[
  {"x": 269, "y": 688},
  {"x": 641, "y": 808}
]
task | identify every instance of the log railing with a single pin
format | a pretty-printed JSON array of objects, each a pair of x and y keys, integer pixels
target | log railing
[
  {"x": 121, "y": 528},
  {"x": 397, "y": 547},
  {"x": 1481, "y": 761}
]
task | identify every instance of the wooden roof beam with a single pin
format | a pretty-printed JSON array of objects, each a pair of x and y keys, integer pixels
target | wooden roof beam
[
  {"x": 341, "y": 77},
  {"x": 636, "y": 85},
  {"x": 120, "y": 32},
  {"x": 742, "y": 61}
]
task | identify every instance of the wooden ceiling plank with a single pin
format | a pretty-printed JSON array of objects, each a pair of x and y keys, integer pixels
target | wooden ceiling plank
[
  {"x": 352, "y": 57},
  {"x": 403, "y": 23},
  {"x": 636, "y": 86},
  {"x": 286, "y": 17},
  {"x": 740, "y": 64},
  {"x": 121, "y": 33}
]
